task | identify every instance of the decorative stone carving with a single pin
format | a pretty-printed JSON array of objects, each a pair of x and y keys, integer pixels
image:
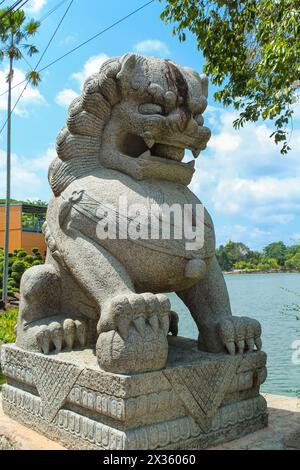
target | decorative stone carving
[
  {"x": 190, "y": 403},
  {"x": 94, "y": 365},
  {"x": 202, "y": 389},
  {"x": 126, "y": 136},
  {"x": 53, "y": 381}
]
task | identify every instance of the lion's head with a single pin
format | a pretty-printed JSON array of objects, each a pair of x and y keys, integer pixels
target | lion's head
[{"x": 137, "y": 115}]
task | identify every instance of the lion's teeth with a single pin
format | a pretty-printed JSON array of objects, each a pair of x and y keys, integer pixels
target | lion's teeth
[
  {"x": 196, "y": 153},
  {"x": 145, "y": 154},
  {"x": 149, "y": 141}
]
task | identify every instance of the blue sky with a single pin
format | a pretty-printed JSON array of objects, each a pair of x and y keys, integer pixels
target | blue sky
[{"x": 251, "y": 191}]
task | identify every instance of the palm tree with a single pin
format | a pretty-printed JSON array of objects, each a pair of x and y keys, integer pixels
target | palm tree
[{"x": 15, "y": 34}]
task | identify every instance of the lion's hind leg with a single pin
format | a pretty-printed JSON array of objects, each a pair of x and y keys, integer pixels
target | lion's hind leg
[{"x": 42, "y": 326}]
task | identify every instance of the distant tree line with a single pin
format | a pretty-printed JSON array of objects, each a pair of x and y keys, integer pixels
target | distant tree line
[
  {"x": 38, "y": 202},
  {"x": 275, "y": 256}
]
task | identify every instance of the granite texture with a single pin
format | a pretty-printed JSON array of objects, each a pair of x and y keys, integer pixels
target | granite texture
[
  {"x": 94, "y": 365},
  {"x": 125, "y": 138},
  {"x": 198, "y": 399}
]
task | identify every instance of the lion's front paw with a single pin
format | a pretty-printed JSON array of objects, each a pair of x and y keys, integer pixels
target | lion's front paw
[
  {"x": 235, "y": 335},
  {"x": 132, "y": 333}
]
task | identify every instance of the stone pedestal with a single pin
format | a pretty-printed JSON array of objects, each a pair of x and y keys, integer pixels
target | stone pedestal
[{"x": 197, "y": 400}]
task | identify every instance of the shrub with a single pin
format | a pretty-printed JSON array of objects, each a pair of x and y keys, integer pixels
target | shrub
[
  {"x": 36, "y": 262},
  {"x": 36, "y": 253},
  {"x": 28, "y": 259},
  {"x": 19, "y": 267},
  {"x": 8, "y": 321},
  {"x": 18, "y": 262}
]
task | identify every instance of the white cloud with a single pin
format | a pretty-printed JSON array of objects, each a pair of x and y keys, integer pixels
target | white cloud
[
  {"x": 152, "y": 46},
  {"x": 69, "y": 39},
  {"x": 246, "y": 182},
  {"x": 234, "y": 196},
  {"x": 28, "y": 176},
  {"x": 225, "y": 142},
  {"x": 30, "y": 96},
  {"x": 43, "y": 161},
  {"x": 65, "y": 97},
  {"x": 91, "y": 66},
  {"x": 250, "y": 235},
  {"x": 295, "y": 237},
  {"x": 35, "y": 6},
  {"x": 24, "y": 182}
]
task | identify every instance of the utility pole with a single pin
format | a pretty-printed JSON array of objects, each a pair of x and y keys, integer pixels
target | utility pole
[{"x": 8, "y": 172}]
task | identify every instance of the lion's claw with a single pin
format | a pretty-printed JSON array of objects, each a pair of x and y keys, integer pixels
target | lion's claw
[
  {"x": 135, "y": 310},
  {"x": 59, "y": 335},
  {"x": 240, "y": 334}
]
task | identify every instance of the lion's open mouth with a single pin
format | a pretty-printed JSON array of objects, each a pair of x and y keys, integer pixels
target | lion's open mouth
[{"x": 135, "y": 146}]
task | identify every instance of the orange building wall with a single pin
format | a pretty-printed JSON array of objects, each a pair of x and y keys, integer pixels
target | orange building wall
[
  {"x": 33, "y": 240},
  {"x": 15, "y": 228},
  {"x": 17, "y": 237}
]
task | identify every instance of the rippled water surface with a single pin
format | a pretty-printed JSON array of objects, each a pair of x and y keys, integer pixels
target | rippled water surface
[{"x": 264, "y": 297}]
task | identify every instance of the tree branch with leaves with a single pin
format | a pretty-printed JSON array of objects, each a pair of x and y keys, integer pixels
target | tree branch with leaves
[
  {"x": 252, "y": 51},
  {"x": 15, "y": 44}
]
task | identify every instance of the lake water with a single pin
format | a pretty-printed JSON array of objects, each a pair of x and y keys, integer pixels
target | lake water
[{"x": 264, "y": 297}]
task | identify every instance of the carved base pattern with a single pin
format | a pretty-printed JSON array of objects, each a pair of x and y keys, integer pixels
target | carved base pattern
[{"x": 186, "y": 405}]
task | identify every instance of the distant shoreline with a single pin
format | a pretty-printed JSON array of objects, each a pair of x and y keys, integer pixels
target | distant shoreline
[{"x": 260, "y": 271}]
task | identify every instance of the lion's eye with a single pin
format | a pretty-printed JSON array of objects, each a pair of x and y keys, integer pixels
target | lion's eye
[{"x": 151, "y": 108}]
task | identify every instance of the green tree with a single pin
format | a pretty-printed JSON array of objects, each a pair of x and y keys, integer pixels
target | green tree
[
  {"x": 15, "y": 36},
  {"x": 251, "y": 48},
  {"x": 276, "y": 250},
  {"x": 268, "y": 263},
  {"x": 223, "y": 259},
  {"x": 294, "y": 262},
  {"x": 237, "y": 251},
  {"x": 38, "y": 202}
]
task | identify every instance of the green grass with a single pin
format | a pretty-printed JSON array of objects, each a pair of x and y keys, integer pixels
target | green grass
[{"x": 8, "y": 320}]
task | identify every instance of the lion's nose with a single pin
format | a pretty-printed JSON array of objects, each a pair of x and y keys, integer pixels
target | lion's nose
[
  {"x": 179, "y": 120},
  {"x": 192, "y": 126}
]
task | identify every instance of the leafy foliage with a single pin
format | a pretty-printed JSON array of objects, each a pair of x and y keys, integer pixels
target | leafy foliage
[
  {"x": 251, "y": 48},
  {"x": 38, "y": 202},
  {"x": 8, "y": 321},
  {"x": 276, "y": 250},
  {"x": 14, "y": 32},
  {"x": 19, "y": 261},
  {"x": 275, "y": 256}
]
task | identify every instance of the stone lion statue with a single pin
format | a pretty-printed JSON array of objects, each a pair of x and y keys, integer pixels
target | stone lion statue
[{"x": 126, "y": 137}]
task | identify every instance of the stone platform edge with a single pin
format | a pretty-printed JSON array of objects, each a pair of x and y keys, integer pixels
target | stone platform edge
[{"x": 284, "y": 422}]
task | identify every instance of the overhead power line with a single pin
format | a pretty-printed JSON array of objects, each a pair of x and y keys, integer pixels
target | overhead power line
[
  {"x": 21, "y": 6},
  {"x": 96, "y": 35},
  {"x": 43, "y": 18},
  {"x": 39, "y": 61},
  {"x": 87, "y": 41},
  {"x": 6, "y": 12}
]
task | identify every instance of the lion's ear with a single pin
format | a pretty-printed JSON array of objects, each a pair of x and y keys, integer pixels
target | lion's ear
[{"x": 128, "y": 62}]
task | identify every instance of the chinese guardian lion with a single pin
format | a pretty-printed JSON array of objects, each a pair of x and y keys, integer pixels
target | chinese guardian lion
[{"x": 126, "y": 136}]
